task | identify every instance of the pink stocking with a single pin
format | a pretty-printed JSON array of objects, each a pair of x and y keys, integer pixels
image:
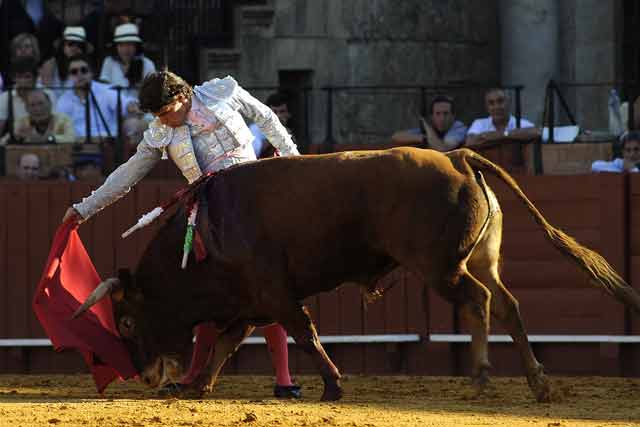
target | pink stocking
[
  {"x": 276, "y": 338},
  {"x": 206, "y": 334}
]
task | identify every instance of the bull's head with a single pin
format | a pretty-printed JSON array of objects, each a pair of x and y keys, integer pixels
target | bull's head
[{"x": 154, "y": 338}]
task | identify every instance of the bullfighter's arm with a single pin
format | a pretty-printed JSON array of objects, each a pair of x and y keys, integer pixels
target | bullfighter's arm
[
  {"x": 120, "y": 181},
  {"x": 267, "y": 121}
]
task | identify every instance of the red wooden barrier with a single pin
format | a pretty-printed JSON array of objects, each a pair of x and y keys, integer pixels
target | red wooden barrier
[{"x": 599, "y": 210}]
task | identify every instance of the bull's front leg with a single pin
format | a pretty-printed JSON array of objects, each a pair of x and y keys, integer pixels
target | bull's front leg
[
  {"x": 301, "y": 327},
  {"x": 228, "y": 343}
]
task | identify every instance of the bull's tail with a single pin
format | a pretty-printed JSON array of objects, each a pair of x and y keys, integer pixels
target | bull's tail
[{"x": 590, "y": 261}]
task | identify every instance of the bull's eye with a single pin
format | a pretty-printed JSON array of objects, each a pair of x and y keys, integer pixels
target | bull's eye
[{"x": 126, "y": 326}]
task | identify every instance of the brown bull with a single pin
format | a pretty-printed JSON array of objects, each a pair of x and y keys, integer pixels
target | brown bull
[{"x": 284, "y": 229}]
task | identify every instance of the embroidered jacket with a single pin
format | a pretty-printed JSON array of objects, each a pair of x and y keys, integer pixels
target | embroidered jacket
[{"x": 214, "y": 137}]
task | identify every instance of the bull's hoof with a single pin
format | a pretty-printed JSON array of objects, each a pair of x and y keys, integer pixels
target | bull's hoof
[
  {"x": 540, "y": 386},
  {"x": 181, "y": 391},
  {"x": 331, "y": 394}
]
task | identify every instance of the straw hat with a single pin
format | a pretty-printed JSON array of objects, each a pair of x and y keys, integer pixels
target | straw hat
[
  {"x": 126, "y": 33},
  {"x": 75, "y": 34}
]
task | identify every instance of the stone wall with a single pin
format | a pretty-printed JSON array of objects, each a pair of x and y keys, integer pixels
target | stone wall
[{"x": 370, "y": 42}]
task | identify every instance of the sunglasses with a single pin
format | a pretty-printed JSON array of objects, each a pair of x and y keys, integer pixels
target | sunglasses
[
  {"x": 74, "y": 44},
  {"x": 79, "y": 70}
]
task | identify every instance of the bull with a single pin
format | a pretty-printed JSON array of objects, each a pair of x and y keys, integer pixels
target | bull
[{"x": 281, "y": 230}]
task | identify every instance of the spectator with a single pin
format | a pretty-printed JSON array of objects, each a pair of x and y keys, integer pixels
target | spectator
[
  {"x": 88, "y": 167},
  {"x": 442, "y": 133},
  {"x": 102, "y": 102},
  {"x": 55, "y": 72},
  {"x": 25, "y": 45},
  {"x": 630, "y": 156},
  {"x": 24, "y": 72},
  {"x": 500, "y": 125},
  {"x": 133, "y": 131},
  {"x": 42, "y": 125},
  {"x": 60, "y": 173},
  {"x": 28, "y": 167},
  {"x": 127, "y": 66},
  {"x": 279, "y": 104},
  {"x": 101, "y": 23},
  {"x": 46, "y": 26}
]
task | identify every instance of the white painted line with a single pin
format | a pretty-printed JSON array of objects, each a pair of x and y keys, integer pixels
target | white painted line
[
  {"x": 567, "y": 339},
  {"x": 325, "y": 339}
]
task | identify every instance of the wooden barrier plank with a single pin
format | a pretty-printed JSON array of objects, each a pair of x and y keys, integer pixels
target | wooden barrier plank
[
  {"x": 125, "y": 215},
  {"x": 4, "y": 275},
  {"x": 351, "y": 356},
  {"x": 80, "y": 190},
  {"x": 37, "y": 233},
  {"x": 536, "y": 188},
  {"x": 534, "y": 245},
  {"x": 17, "y": 260},
  {"x": 560, "y": 214},
  {"x": 146, "y": 200},
  {"x": 561, "y": 273},
  {"x": 395, "y": 305},
  {"x": 328, "y": 313},
  {"x": 417, "y": 303},
  {"x": 103, "y": 245},
  {"x": 568, "y": 311}
]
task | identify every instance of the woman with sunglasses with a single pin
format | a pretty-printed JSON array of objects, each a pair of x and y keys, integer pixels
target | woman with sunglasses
[{"x": 54, "y": 72}]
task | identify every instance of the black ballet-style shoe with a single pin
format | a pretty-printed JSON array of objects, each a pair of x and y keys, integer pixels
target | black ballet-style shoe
[{"x": 287, "y": 391}]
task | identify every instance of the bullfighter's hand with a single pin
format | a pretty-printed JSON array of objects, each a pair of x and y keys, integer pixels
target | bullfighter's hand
[{"x": 72, "y": 213}]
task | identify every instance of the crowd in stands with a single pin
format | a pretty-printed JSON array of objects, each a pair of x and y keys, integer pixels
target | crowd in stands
[
  {"x": 73, "y": 84},
  {"x": 78, "y": 84}
]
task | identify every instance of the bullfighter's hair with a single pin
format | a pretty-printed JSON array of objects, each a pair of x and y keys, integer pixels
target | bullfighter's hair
[{"x": 160, "y": 89}]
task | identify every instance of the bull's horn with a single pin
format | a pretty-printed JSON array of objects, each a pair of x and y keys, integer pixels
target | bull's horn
[{"x": 98, "y": 293}]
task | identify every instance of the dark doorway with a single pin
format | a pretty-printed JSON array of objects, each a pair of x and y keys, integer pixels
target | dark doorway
[{"x": 296, "y": 85}]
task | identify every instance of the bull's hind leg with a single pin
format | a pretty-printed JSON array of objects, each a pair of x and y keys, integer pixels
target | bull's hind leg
[
  {"x": 301, "y": 327},
  {"x": 504, "y": 307},
  {"x": 475, "y": 309}
]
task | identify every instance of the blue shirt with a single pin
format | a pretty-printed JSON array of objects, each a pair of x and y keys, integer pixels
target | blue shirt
[
  {"x": 454, "y": 136},
  {"x": 106, "y": 100}
]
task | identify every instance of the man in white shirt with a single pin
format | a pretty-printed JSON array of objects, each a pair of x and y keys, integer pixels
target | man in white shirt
[
  {"x": 630, "y": 156},
  {"x": 103, "y": 102},
  {"x": 279, "y": 104},
  {"x": 500, "y": 125}
]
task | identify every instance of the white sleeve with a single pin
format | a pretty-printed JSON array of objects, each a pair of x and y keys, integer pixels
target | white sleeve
[
  {"x": 475, "y": 128},
  {"x": 120, "y": 181},
  {"x": 267, "y": 122},
  {"x": 604, "y": 166}
]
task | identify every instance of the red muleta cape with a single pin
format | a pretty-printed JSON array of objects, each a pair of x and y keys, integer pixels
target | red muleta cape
[{"x": 68, "y": 278}]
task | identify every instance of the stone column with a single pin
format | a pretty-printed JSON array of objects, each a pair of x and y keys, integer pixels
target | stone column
[{"x": 529, "y": 50}]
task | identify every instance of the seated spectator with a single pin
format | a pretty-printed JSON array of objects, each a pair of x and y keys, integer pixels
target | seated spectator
[
  {"x": 279, "y": 104},
  {"x": 55, "y": 72},
  {"x": 126, "y": 66},
  {"x": 133, "y": 129},
  {"x": 500, "y": 125},
  {"x": 88, "y": 168},
  {"x": 630, "y": 156},
  {"x": 60, "y": 173},
  {"x": 42, "y": 125},
  {"x": 442, "y": 133},
  {"x": 25, "y": 45},
  {"x": 28, "y": 167},
  {"x": 24, "y": 72},
  {"x": 102, "y": 102}
]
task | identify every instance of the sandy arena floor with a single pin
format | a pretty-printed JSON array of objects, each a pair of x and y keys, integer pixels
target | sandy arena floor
[{"x": 369, "y": 401}]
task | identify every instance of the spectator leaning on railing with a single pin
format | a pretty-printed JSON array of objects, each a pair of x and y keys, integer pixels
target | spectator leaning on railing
[
  {"x": 630, "y": 156},
  {"x": 500, "y": 125},
  {"x": 442, "y": 132}
]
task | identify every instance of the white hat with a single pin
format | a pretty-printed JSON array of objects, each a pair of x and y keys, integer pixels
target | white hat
[
  {"x": 126, "y": 33},
  {"x": 75, "y": 34}
]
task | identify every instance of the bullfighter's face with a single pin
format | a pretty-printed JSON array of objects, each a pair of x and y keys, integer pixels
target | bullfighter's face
[{"x": 175, "y": 113}]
